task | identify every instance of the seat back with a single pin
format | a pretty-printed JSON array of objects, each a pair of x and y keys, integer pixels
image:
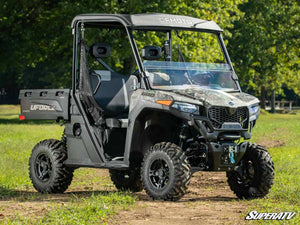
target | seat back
[{"x": 114, "y": 93}]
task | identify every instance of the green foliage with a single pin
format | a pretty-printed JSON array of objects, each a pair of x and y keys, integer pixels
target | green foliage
[
  {"x": 36, "y": 40},
  {"x": 265, "y": 45},
  {"x": 121, "y": 58}
]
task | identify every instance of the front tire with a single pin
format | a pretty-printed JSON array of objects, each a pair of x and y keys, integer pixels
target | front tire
[
  {"x": 165, "y": 172},
  {"x": 254, "y": 175},
  {"x": 46, "y": 169}
]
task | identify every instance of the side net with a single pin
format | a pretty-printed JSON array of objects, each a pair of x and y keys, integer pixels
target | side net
[{"x": 94, "y": 112}]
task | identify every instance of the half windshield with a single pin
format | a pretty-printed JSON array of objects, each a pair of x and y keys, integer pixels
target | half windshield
[
  {"x": 188, "y": 59},
  {"x": 182, "y": 75}
]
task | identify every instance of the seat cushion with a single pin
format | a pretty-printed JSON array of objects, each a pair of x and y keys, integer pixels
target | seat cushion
[{"x": 114, "y": 92}]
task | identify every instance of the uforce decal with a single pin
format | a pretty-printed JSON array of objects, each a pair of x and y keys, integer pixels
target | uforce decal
[
  {"x": 254, "y": 215},
  {"x": 41, "y": 108},
  {"x": 148, "y": 93},
  {"x": 175, "y": 20}
]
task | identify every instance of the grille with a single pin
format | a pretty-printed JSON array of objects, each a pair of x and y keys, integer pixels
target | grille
[{"x": 219, "y": 115}]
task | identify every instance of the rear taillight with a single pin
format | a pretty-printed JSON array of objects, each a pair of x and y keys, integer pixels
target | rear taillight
[{"x": 21, "y": 117}]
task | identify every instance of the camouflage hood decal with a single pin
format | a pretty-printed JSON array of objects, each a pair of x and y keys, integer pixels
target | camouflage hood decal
[{"x": 217, "y": 98}]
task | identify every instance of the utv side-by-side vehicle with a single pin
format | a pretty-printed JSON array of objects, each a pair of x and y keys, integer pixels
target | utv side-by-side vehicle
[{"x": 154, "y": 99}]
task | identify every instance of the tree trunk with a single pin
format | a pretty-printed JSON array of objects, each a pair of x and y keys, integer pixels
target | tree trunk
[
  {"x": 273, "y": 101},
  {"x": 263, "y": 97}
]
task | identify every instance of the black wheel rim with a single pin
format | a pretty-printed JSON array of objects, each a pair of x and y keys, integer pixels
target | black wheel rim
[
  {"x": 43, "y": 167},
  {"x": 246, "y": 173},
  {"x": 159, "y": 173}
]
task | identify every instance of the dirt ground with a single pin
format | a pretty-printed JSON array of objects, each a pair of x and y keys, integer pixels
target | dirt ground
[{"x": 209, "y": 201}]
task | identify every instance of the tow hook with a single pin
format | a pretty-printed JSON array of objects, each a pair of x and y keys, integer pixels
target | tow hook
[
  {"x": 231, "y": 157},
  {"x": 232, "y": 150}
]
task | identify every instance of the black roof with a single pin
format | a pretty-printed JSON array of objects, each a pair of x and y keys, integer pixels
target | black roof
[{"x": 151, "y": 21}]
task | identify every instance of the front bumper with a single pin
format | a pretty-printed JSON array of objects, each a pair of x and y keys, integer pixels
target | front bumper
[
  {"x": 224, "y": 153},
  {"x": 226, "y": 156},
  {"x": 228, "y": 132}
]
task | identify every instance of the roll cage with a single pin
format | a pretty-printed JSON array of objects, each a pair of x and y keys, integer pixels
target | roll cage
[{"x": 153, "y": 22}]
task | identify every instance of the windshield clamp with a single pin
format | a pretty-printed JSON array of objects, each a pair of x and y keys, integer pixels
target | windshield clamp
[{"x": 82, "y": 29}]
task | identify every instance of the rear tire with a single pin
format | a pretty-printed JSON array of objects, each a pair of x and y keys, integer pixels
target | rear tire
[
  {"x": 165, "y": 172},
  {"x": 254, "y": 175},
  {"x": 46, "y": 169},
  {"x": 127, "y": 180}
]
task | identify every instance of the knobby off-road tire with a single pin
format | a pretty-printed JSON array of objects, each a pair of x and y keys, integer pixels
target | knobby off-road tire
[
  {"x": 254, "y": 175},
  {"x": 127, "y": 180},
  {"x": 165, "y": 172},
  {"x": 46, "y": 169}
]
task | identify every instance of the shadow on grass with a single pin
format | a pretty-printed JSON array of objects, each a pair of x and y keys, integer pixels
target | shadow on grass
[
  {"x": 6, "y": 192},
  {"x": 7, "y": 114},
  {"x": 144, "y": 197},
  {"x": 32, "y": 196},
  {"x": 20, "y": 122}
]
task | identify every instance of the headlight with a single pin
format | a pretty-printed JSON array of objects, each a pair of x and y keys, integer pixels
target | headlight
[
  {"x": 254, "y": 110},
  {"x": 186, "y": 107}
]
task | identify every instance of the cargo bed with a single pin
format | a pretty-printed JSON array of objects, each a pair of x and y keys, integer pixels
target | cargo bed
[{"x": 44, "y": 104}]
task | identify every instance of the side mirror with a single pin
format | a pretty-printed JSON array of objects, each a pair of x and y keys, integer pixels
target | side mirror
[
  {"x": 100, "y": 50},
  {"x": 151, "y": 52}
]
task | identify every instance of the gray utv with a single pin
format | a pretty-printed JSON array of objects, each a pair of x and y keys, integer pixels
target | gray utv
[{"x": 154, "y": 98}]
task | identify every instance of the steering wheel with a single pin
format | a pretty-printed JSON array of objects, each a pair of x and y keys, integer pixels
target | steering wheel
[
  {"x": 203, "y": 79},
  {"x": 179, "y": 78}
]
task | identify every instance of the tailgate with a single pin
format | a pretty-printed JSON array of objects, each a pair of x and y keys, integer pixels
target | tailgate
[{"x": 45, "y": 104}]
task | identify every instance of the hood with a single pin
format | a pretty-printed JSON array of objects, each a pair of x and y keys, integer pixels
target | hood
[{"x": 210, "y": 97}]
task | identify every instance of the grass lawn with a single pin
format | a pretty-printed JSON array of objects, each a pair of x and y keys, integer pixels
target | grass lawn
[
  {"x": 99, "y": 200},
  {"x": 17, "y": 138},
  {"x": 282, "y": 133}
]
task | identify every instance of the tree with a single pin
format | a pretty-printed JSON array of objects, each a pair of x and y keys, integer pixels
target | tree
[
  {"x": 36, "y": 40},
  {"x": 265, "y": 46}
]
